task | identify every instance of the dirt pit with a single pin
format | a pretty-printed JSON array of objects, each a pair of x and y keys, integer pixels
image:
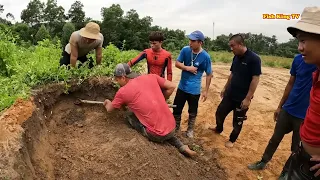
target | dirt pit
[{"x": 62, "y": 140}]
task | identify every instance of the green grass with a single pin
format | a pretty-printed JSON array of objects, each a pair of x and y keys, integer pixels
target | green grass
[{"x": 226, "y": 57}]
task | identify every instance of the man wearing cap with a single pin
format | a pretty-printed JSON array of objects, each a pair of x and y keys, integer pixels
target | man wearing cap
[
  {"x": 291, "y": 110},
  {"x": 142, "y": 94},
  {"x": 305, "y": 162},
  {"x": 81, "y": 43},
  {"x": 193, "y": 61},
  {"x": 239, "y": 89}
]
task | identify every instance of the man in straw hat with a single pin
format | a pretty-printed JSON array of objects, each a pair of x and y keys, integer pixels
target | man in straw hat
[
  {"x": 151, "y": 116},
  {"x": 81, "y": 43},
  {"x": 305, "y": 162}
]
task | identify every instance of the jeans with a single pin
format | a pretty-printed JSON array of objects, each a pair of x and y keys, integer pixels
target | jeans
[
  {"x": 225, "y": 107},
  {"x": 285, "y": 124},
  {"x": 180, "y": 99},
  {"x": 170, "y": 138},
  {"x": 65, "y": 59}
]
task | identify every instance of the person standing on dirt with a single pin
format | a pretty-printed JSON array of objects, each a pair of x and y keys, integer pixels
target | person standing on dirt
[
  {"x": 193, "y": 61},
  {"x": 81, "y": 43},
  {"x": 158, "y": 59},
  {"x": 305, "y": 162},
  {"x": 291, "y": 111},
  {"x": 151, "y": 115},
  {"x": 239, "y": 89}
]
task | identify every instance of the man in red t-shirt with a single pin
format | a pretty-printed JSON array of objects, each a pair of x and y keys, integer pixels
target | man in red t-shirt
[
  {"x": 152, "y": 116},
  {"x": 305, "y": 163}
]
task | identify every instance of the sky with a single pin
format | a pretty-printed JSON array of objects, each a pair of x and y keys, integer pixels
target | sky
[{"x": 212, "y": 17}]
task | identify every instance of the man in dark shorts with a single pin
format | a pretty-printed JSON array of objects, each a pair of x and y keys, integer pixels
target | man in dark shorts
[
  {"x": 158, "y": 59},
  {"x": 305, "y": 162},
  {"x": 151, "y": 115},
  {"x": 239, "y": 89},
  {"x": 193, "y": 61},
  {"x": 291, "y": 110}
]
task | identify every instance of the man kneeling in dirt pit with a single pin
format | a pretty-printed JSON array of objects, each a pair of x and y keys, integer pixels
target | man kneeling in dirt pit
[{"x": 152, "y": 116}]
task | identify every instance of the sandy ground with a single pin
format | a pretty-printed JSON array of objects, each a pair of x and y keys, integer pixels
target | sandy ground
[{"x": 256, "y": 131}]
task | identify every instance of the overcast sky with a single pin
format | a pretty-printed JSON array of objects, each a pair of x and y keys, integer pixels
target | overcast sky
[{"x": 230, "y": 16}]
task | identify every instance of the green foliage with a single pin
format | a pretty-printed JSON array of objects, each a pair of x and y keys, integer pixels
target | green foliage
[
  {"x": 68, "y": 29},
  {"x": 26, "y": 68},
  {"x": 42, "y": 34}
]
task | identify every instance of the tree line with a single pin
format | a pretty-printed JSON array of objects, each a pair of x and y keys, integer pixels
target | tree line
[{"x": 128, "y": 30}]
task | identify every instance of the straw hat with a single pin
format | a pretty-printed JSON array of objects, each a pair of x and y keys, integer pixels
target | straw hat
[
  {"x": 91, "y": 31},
  {"x": 309, "y": 22}
]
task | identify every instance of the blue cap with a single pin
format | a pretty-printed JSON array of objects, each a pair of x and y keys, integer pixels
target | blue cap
[{"x": 196, "y": 35}]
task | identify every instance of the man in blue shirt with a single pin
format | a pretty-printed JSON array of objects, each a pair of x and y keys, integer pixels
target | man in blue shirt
[
  {"x": 291, "y": 110},
  {"x": 239, "y": 89},
  {"x": 193, "y": 61}
]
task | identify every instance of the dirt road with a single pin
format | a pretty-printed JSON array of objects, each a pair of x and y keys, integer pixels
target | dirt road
[{"x": 256, "y": 131}]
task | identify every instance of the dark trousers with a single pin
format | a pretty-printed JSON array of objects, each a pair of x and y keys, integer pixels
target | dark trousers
[
  {"x": 65, "y": 59},
  {"x": 285, "y": 124},
  {"x": 180, "y": 99},
  {"x": 299, "y": 166},
  {"x": 225, "y": 107},
  {"x": 170, "y": 138}
]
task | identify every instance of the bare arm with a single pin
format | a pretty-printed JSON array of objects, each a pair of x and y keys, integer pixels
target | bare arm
[
  {"x": 228, "y": 82},
  {"x": 168, "y": 87},
  {"x": 73, "y": 55},
  {"x": 108, "y": 105},
  {"x": 99, "y": 55},
  {"x": 287, "y": 91},
  {"x": 181, "y": 66},
  {"x": 253, "y": 86},
  {"x": 208, "y": 81}
]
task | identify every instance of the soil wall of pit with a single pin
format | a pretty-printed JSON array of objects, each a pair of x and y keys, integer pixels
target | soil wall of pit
[{"x": 49, "y": 137}]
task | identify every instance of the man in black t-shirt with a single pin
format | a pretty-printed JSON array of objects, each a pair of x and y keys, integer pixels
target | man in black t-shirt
[{"x": 239, "y": 89}]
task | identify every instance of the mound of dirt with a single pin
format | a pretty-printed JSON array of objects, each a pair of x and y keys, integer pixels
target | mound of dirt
[{"x": 62, "y": 140}]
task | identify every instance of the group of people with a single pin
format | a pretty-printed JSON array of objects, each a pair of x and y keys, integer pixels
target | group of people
[{"x": 146, "y": 95}]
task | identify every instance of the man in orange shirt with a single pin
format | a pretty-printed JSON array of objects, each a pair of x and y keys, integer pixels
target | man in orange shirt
[{"x": 158, "y": 59}]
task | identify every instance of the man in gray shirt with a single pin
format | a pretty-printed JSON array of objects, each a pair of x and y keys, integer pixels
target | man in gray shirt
[{"x": 81, "y": 43}]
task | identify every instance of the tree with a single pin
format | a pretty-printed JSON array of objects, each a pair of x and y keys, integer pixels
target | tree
[
  {"x": 42, "y": 34},
  {"x": 33, "y": 14},
  {"x": 112, "y": 25},
  {"x": 68, "y": 29},
  {"x": 76, "y": 15}
]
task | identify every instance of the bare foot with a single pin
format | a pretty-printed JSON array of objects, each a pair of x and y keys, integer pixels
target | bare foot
[
  {"x": 229, "y": 144},
  {"x": 187, "y": 151}
]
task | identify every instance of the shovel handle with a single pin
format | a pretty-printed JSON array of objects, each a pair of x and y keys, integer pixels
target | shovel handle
[{"x": 91, "y": 102}]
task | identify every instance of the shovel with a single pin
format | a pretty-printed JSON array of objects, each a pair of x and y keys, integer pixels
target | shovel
[{"x": 80, "y": 101}]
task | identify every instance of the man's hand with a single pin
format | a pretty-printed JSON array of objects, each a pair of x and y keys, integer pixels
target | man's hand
[
  {"x": 245, "y": 103},
  {"x": 276, "y": 114},
  {"x": 107, "y": 103},
  {"x": 317, "y": 166},
  {"x": 204, "y": 95},
  {"x": 192, "y": 69}
]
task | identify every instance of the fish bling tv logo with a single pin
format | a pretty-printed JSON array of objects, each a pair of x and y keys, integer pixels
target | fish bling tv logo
[{"x": 281, "y": 16}]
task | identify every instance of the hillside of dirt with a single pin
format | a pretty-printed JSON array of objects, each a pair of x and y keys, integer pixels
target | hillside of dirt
[
  {"x": 62, "y": 140},
  {"x": 256, "y": 131},
  {"x": 65, "y": 141}
]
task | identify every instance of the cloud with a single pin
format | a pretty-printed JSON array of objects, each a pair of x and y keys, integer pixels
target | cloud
[{"x": 230, "y": 16}]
